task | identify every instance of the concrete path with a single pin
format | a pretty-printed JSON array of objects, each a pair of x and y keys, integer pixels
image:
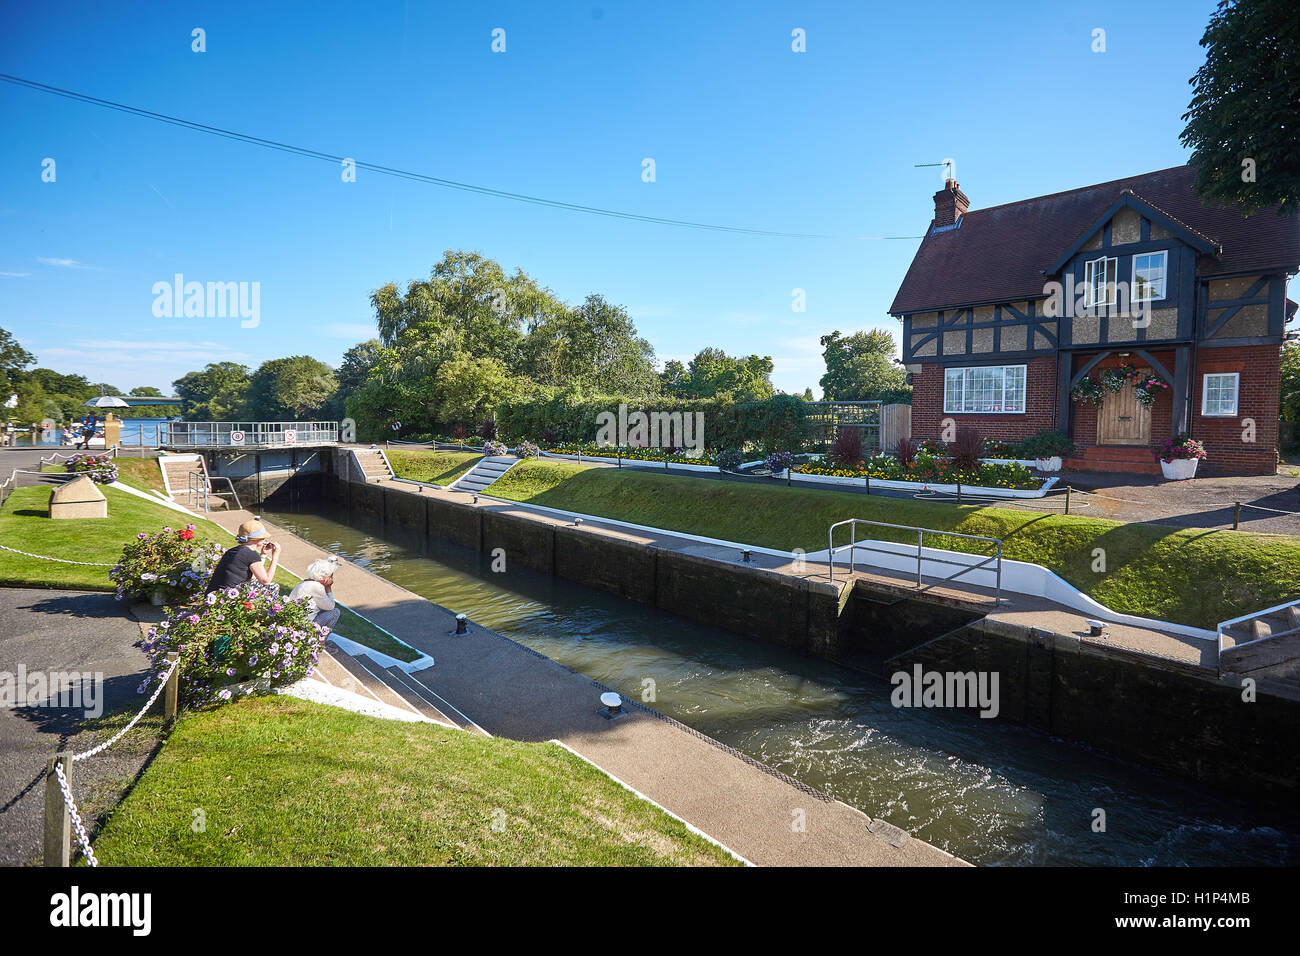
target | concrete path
[
  {"x": 515, "y": 692},
  {"x": 44, "y": 631}
]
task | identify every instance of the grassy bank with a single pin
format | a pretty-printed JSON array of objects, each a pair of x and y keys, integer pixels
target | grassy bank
[
  {"x": 284, "y": 782},
  {"x": 1190, "y": 576},
  {"x": 141, "y": 473},
  {"x": 435, "y": 467},
  {"x": 25, "y": 525}
]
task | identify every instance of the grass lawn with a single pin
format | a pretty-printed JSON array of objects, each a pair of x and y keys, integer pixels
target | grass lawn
[
  {"x": 435, "y": 467},
  {"x": 141, "y": 473},
  {"x": 24, "y": 525},
  {"x": 1190, "y": 576},
  {"x": 284, "y": 782}
]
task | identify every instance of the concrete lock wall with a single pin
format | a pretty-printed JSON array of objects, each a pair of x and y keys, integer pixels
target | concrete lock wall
[{"x": 1164, "y": 714}]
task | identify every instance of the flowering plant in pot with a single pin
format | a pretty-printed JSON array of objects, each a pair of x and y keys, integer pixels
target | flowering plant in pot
[
  {"x": 233, "y": 641},
  {"x": 494, "y": 449},
  {"x": 779, "y": 462},
  {"x": 527, "y": 449},
  {"x": 729, "y": 459},
  {"x": 1047, "y": 448},
  {"x": 1180, "y": 456},
  {"x": 166, "y": 567},
  {"x": 98, "y": 468}
]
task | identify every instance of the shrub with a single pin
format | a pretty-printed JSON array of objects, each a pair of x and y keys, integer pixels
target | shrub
[
  {"x": 100, "y": 469},
  {"x": 527, "y": 449},
  {"x": 906, "y": 452},
  {"x": 1047, "y": 444},
  {"x": 967, "y": 448},
  {"x": 488, "y": 429},
  {"x": 173, "y": 562},
  {"x": 847, "y": 447},
  {"x": 729, "y": 459},
  {"x": 458, "y": 433},
  {"x": 494, "y": 449},
  {"x": 234, "y": 635}
]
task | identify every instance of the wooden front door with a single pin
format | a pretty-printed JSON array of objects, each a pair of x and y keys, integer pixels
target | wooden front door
[{"x": 1121, "y": 420}]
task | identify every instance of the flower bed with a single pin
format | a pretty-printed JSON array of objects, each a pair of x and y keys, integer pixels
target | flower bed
[
  {"x": 231, "y": 636},
  {"x": 931, "y": 470},
  {"x": 173, "y": 562}
]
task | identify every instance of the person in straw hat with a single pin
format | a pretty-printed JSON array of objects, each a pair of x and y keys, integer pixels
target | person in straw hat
[{"x": 244, "y": 562}]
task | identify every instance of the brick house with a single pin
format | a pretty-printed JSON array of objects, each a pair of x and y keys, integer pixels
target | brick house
[{"x": 1006, "y": 310}]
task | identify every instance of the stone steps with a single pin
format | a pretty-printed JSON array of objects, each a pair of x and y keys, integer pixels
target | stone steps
[{"x": 484, "y": 473}]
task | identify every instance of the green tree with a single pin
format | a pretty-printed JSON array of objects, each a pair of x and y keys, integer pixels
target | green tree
[
  {"x": 594, "y": 347},
  {"x": 357, "y": 363},
  {"x": 13, "y": 360},
  {"x": 296, "y": 388},
  {"x": 1243, "y": 123},
  {"x": 1291, "y": 381},
  {"x": 860, "y": 368},
  {"x": 215, "y": 394},
  {"x": 713, "y": 373}
]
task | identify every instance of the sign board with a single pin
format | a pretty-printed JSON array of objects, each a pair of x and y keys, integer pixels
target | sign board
[
  {"x": 236, "y": 437},
  {"x": 290, "y": 437}
]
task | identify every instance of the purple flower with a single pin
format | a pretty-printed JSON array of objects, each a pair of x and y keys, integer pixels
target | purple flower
[
  {"x": 252, "y": 661},
  {"x": 211, "y": 598},
  {"x": 141, "y": 536},
  {"x": 224, "y": 695},
  {"x": 230, "y": 672},
  {"x": 193, "y": 619}
]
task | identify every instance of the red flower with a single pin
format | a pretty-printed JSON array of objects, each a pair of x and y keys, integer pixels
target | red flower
[
  {"x": 185, "y": 534},
  {"x": 249, "y": 605}
]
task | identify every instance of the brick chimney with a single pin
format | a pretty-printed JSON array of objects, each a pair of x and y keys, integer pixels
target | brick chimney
[{"x": 950, "y": 204}]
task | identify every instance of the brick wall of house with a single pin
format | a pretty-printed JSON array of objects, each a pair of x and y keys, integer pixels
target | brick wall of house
[
  {"x": 1040, "y": 405},
  {"x": 1257, "y": 399}
]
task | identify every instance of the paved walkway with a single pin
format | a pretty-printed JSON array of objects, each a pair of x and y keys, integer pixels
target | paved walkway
[
  {"x": 512, "y": 691},
  {"x": 44, "y": 631}
]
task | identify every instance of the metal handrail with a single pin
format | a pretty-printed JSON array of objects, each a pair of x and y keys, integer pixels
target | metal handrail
[
  {"x": 963, "y": 567},
  {"x": 1224, "y": 625},
  {"x": 202, "y": 485},
  {"x": 256, "y": 434}
]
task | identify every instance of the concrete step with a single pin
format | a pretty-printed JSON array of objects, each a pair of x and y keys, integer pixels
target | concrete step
[
  {"x": 427, "y": 701},
  {"x": 366, "y": 673}
]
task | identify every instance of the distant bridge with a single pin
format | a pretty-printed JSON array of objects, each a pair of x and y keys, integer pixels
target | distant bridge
[{"x": 151, "y": 400}]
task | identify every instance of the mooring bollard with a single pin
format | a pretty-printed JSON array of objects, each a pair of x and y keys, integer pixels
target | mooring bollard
[
  {"x": 171, "y": 694},
  {"x": 462, "y": 627},
  {"x": 1236, "y": 515},
  {"x": 58, "y": 825}
]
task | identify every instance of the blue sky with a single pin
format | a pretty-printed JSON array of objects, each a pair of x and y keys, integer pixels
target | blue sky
[{"x": 743, "y": 132}]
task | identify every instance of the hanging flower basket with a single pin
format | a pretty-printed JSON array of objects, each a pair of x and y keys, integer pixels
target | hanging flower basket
[
  {"x": 1088, "y": 390},
  {"x": 1147, "y": 388},
  {"x": 1114, "y": 379}
]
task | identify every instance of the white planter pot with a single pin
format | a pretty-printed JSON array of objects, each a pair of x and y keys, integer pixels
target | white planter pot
[
  {"x": 1180, "y": 468},
  {"x": 1048, "y": 464},
  {"x": 158, "y": 598}
]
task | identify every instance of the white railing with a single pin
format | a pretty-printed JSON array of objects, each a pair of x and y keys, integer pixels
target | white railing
[
  {"x": 963, "y": 567},
  {"x": 1224, "y": 625},
  {"x": 247, "y": 434}
]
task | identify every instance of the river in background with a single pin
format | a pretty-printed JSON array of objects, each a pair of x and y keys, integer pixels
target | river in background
[
  {"x": 990, "y": 793},
  {"x": 132, "y": 429}
]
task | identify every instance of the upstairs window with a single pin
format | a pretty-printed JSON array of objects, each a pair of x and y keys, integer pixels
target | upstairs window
[
  {"x": 1099, "y": 282},
  {"x": 987, "y": 389},
  {"x": 1219, "y": 396},
  {"x": 1149, "y": 269}
]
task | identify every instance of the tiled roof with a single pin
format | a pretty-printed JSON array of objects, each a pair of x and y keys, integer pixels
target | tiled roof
[{"x": 999, "y": 254}]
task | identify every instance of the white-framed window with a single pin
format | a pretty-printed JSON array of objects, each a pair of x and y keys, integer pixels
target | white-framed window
[
  {"x": 1099, "y": 281},
  {"x": 986, "y": 389},
  {"x": 1219, "y": 393},
  {"x": 1149, "y": 272}
]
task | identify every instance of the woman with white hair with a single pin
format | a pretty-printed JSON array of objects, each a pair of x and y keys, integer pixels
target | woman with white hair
[{"x": 319, "y": 586}]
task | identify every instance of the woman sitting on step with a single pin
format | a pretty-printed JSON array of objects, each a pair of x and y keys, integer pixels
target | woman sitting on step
[
  {"x": 243, "y": 563},
  {"x": 319, "y": 586}
]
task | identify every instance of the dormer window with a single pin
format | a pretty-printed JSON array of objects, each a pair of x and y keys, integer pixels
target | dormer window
[
  {"x": 1149, "y": 272},
  {"x": 1099, "y": 282}
]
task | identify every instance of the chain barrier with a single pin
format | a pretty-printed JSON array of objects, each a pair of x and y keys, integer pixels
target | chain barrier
[
  {"x": 162, "y": 683},
  {"x": 77, "y": 825},
  {"x": 68, "y": 801},
  {"x": 46, "y": 557}
]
